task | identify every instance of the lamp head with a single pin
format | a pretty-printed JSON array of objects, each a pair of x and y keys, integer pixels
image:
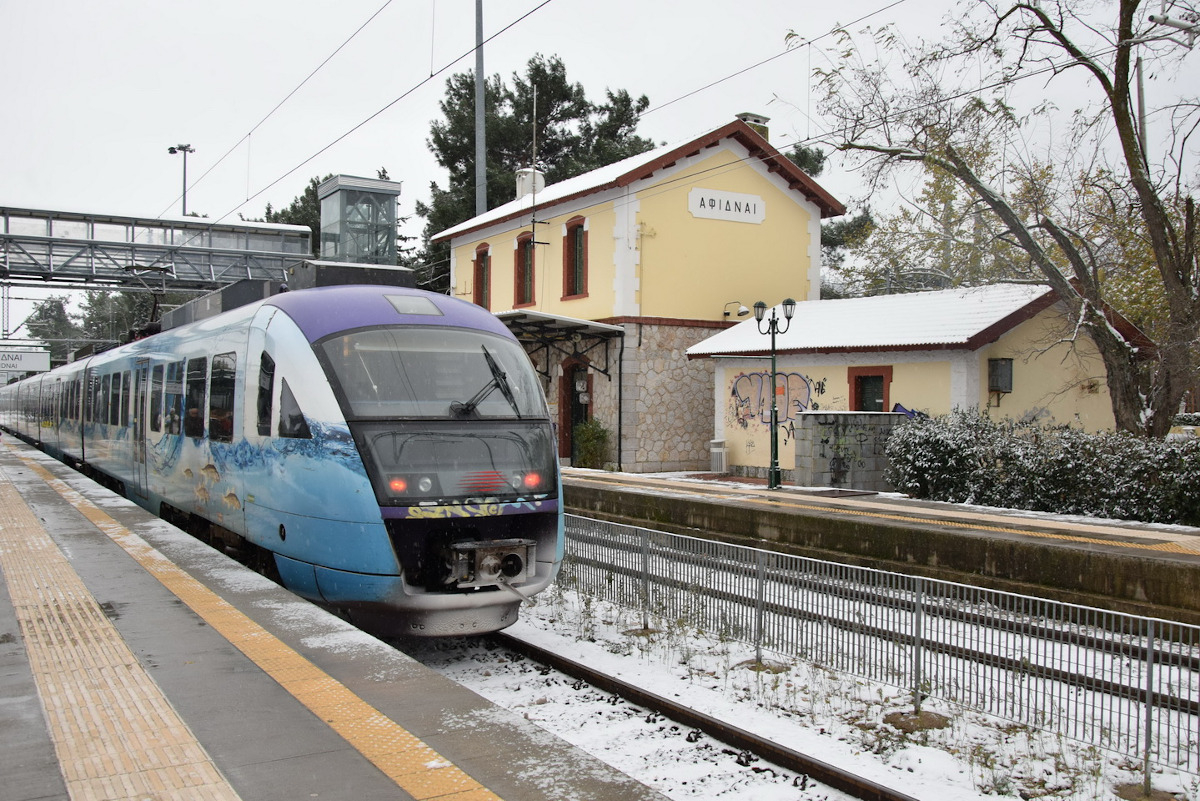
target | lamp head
[
  {"x": 760, "y": 311},
  {"x": 789, "y": 308}
]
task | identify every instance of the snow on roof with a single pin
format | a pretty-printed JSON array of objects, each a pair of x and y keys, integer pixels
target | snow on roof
[
  {"x": 553, "y": 193},
  {"x": 638, "y": 166},
  {"x": 966, "y": 317}
]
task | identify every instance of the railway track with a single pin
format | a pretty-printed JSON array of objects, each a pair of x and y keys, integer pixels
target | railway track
[
  {"x": 740, "y": 739},
  {"x": 747, "y": 747}
]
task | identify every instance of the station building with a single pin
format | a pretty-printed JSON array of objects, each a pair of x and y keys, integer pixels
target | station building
[
  {"x": 610, "y": 276},
  {"x": 848, "y": 370},
  {"x": 631, "y": 285}
]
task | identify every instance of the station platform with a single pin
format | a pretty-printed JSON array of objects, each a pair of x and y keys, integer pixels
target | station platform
[
  {"x": 138, "y": 663},
  {"x": 1125, "y": 566}
]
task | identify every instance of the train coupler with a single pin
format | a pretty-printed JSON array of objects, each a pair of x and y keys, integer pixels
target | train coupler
[{"x": 493, "y": 562}]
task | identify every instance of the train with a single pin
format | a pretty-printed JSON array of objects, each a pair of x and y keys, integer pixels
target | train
[{"x": 384, "y": 451}]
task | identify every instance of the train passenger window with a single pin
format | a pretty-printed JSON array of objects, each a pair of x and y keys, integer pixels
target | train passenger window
[
  {"x": 220, "y": 408},
  {"x": 126, "y": 396},
  {"x": 196, "y": 397},
  {"x": 92, "y": 397},
  {"x": 291, "y": 419},
  {"x": 266, "y": 388},
  {"x": 105, "y": 397},
  {"x": 114, "y": 402},
  {"x": 156, "y": 398},
  {"x": 174, "y": 396}
]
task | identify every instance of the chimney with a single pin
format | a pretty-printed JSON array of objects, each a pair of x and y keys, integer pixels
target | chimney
[
  {"x": 757, "y": 122},
  {"x": 529, "y": 180}
]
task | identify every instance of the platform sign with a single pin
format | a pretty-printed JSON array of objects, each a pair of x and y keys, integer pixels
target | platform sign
[{"x": 24, "y": 361}]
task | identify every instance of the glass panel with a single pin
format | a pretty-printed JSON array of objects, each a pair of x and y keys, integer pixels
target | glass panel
[
  {"x": 174, "y": 393},
  {"x": 105, "y": 399},
  {"x": 156, "y": 398},
  {"x": 126, "y": 394},
  {"x": 193, "y": 420},
  {"x": 221, "y": 406},
  {"x": 433, "y": 373},
  {"x": 191, "y": 238},
  {"x": 144, "y": 235},
  {"x": 70, "y": 229},
  {"x": 296, "y": 244},
  {"x": 870, "y": 393},
  {"x": 28, "y": 226},
  {"x": 266, "y": 391},
  {"x": 448, "y": 461},
  {"x": 226, "y": 240},
  {"x": 263, "y": 242},
  {"x": 291, "y": 419},
  {"x": 110, "y": 232}
]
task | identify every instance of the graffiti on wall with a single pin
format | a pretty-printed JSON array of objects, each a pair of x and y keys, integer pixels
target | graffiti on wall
[
  {"x": 846, "y": 445},
  {"x": 750, "y": 400}
]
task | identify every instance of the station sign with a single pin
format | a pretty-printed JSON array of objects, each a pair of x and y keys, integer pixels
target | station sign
[{"x": 24, "y": 361}]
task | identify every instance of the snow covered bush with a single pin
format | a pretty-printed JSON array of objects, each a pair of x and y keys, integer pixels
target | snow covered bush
[{"x": 966, "y": 457}]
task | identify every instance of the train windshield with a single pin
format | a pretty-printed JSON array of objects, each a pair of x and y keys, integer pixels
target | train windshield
[{"x": 425, "y": 373}]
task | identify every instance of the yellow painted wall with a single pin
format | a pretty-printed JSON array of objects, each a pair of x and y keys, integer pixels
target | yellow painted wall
[
  {"x": 1063, "y": 383},
  {"x": 691, "y": 267},
  {"x": 548, "y": 266},
  {"x": 687, "y": 267},
  {"x": 807, "y": 386},
  {"x": 1053, "y": 381},
  {"x": 922, "y": 386}
]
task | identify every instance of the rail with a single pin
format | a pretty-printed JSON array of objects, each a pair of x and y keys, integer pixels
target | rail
[{"x": 1121, "y": 682}]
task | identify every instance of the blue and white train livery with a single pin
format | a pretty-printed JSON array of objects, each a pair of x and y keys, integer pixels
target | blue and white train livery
[{"x": 385, "y": 451}]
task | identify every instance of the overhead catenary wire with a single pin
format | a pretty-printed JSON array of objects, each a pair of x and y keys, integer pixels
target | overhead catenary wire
[
  {"x": 452, "y": 62},
  {"x": 368, "y": 119},
  {"x": 269, "y": 114}
]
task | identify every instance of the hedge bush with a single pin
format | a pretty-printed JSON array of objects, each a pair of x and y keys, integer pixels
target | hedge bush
[
  {"x": 966, "y": 457},
  {"x": 591, "y": 444}
]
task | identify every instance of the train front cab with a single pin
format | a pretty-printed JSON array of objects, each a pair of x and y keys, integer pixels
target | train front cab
[{"x": 454, "y": 432}]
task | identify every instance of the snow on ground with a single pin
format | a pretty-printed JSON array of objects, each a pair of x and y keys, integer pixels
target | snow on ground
[{"x": 835, "y": 718}]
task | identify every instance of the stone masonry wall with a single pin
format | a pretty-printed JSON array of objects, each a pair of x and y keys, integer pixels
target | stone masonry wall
[
  {"x": 843, "y": 449},
  {"x": 666, "y": 421}
]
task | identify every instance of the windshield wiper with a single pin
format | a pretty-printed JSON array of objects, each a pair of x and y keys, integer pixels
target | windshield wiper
[{"x": 499, "y": 381}]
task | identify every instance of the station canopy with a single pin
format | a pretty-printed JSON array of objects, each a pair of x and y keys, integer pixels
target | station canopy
[{"x": 566, "y": 336}]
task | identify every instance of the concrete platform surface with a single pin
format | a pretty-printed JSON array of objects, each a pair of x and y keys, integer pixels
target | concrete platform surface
[{"x": 137, "y": 662}]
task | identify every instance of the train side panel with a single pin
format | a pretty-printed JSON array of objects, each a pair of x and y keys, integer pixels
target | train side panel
[{"x": 308, "y": 497}]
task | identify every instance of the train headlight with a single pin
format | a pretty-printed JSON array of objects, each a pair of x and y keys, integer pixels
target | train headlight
[
  {"x": 397, "y": 484},
  {"x": 525, "y": 481},
  {"x": 425, "y": 484}
]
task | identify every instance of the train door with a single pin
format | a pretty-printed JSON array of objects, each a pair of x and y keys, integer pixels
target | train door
[{"x": 138, "y": 420}]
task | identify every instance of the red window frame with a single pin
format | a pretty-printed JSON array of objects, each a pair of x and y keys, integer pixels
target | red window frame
[
  {"x": 524, "y": 272},
  {"x": 575, "y": 260},
  {"x": 853, "y": 373},
  {"x": 482, "y": 271}
]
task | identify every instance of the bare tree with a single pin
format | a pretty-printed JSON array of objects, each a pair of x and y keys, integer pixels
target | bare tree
[{"x": 894, "y": 104}]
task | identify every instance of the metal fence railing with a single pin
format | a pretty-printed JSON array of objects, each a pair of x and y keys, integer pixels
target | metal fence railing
[{"x": 1130, "y": 684}]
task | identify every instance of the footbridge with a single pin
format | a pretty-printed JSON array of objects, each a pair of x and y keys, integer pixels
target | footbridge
[{"x": 77, "y": 250}]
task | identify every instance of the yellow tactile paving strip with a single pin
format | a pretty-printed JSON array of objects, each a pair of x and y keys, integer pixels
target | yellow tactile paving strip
[
  {"x": 115, "y": 734},
  {"x": 974, "y": 520},
  {"x": 414, "y": 766}
]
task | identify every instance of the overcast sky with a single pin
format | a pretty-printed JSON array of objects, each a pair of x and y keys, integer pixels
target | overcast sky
[{"x": 95, "y": 92}]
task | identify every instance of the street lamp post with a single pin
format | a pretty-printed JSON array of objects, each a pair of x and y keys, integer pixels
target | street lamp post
[
  {"x": 184, "y": 149},
  {"x": 774, "y": 476}
]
